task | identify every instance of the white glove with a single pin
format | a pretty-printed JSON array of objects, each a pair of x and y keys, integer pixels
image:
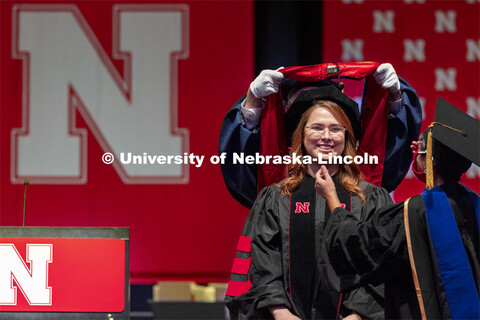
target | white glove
[
  {"x": 266, "y": 83},
  {"x": 387, "y": 78}
]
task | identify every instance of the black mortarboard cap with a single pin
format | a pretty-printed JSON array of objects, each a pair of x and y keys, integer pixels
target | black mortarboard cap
[
  {"x": 290, "y": 86},
  {"x": 457, "y": 130},
  {"x": 330, "y": 93}
]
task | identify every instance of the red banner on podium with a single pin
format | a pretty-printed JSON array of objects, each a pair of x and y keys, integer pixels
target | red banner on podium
[{"x": 55, "y": 275}]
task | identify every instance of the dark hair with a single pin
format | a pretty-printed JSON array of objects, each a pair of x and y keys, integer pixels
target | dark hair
[
  {"x": 448, "y": 164},
  {"x": 423, "y": 140}
]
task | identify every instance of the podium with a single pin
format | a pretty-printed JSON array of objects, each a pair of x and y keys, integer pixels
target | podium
[{"x": 64, "y": 273}]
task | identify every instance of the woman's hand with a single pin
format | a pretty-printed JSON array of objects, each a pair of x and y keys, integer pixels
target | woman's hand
[
  {"x": 324, "y": 183},
  {"x": 326, "y": 188},
  {"x": 414, "y": 146},
  {"x": 282, "y": 313}
]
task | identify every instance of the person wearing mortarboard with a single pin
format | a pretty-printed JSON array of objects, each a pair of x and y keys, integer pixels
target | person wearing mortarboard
[
  {"x": 426, "y": 250},
  {"x": 390, "y": 120},
  {"x": 281, "y": 269}
]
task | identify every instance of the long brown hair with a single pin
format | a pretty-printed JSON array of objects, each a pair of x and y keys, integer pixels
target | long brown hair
[{"x": 348, "y": 174}]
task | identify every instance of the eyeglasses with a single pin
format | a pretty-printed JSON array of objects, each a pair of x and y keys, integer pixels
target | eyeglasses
[{"x": 335, "y": 131}]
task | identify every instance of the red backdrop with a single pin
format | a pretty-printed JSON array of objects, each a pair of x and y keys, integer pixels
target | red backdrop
[
  {"x": 433, "y": 45},
  {"x": 183, "y": 230}
]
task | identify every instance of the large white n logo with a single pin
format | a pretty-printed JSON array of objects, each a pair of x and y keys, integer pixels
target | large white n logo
[
  {"x": 352, "y": 50},
  {"x": 65, "y": 69},
  {"x": 33, "y": 281}
]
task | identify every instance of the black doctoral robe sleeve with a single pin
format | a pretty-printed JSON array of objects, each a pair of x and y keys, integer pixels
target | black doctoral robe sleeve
[
  {"x": 366, "y": 299},
  {"x": 373, "y": 248},
  {"x": 377, "y": 250},
  {"x": 267, "y": 252},
  {"x": 266, "y": 270}
]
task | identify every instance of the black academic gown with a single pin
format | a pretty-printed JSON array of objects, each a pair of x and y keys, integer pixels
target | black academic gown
[
  {"x": 378, "y": 250},
  {"x": 277, "y": 274}
]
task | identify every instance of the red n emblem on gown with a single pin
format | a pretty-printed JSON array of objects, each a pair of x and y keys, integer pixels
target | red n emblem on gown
[{"x": 302, "y": 207}]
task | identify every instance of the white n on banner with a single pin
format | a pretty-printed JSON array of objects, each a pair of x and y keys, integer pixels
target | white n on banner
[
  {"x": 33, "y": 281},
  {"x": 66, "y": 69}
]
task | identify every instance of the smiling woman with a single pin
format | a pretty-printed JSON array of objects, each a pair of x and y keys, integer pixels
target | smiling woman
[
  {"x": 325, "y": 131},
  {"x": 282, "y": 254},
  {"x": 325, "y": 135}
]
